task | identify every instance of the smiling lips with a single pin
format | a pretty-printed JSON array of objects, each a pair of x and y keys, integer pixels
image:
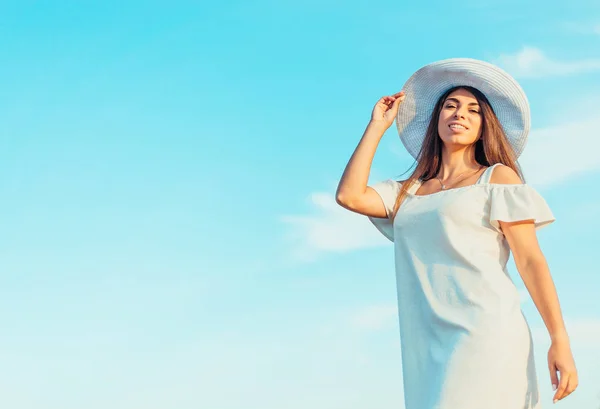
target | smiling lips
[{"x": 456, "y": 126}]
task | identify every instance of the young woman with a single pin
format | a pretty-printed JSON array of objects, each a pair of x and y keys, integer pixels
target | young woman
[{"x": 454, "y": 221}]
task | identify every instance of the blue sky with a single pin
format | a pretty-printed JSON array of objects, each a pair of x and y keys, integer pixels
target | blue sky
[{"x": 167, "y": 170}]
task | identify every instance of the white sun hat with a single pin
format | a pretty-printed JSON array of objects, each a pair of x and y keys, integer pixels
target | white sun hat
[{"x": 429, "y": 83}]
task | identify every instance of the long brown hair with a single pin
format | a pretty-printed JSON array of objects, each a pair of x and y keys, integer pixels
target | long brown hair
[{"x": 491, "y": 148}]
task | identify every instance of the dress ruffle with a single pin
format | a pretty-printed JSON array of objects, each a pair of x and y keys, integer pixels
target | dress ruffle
[
  {"x": 388, "y": 191},
  {"x": 508, "y": 203},
  {"x": 512, "y": 203}
]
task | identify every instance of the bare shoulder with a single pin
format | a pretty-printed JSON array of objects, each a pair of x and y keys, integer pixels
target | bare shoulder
[{"x": 503, "y": 174}]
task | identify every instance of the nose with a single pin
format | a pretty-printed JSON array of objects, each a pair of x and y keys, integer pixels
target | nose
[{"x": 458, "y": 113}]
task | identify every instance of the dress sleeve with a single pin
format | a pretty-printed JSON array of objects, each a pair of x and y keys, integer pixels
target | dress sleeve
[
  {"x": 388, "y": 191},
  {"x": 511, "y": 203}
]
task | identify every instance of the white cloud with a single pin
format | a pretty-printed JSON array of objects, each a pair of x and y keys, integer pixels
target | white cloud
[
  {"x": 583, "y": 27},
  {"x": 561, "y": 152},
  {"x": 531, "y": 62},
  {"x": 583, "y": 333},
  {"x": 375, "y": 317},
  {"x": 329, "y": 228}
]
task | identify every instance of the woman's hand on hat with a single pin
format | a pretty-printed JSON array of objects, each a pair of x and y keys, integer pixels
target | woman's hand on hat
[{"x": 386, "y": 109}]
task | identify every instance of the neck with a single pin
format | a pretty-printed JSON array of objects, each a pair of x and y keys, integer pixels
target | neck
[{"x": 456, "y": 162}]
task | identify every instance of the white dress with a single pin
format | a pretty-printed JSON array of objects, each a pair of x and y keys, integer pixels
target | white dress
[{"x": 465, "y": 342}]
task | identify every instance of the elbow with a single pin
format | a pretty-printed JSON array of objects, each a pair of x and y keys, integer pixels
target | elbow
[
  {"x": 344, "y": 200},
  {"x": 348, "y": 197},
  {"x": 341, "y": 199}
]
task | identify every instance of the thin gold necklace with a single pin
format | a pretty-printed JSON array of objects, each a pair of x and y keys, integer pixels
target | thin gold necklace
[{"x": 445, "y": 186}]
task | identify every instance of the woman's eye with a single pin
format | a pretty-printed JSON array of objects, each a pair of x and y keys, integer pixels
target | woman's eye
[{"x": 475, "y": 111}]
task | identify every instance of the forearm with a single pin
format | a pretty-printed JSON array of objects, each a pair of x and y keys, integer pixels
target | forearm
[
  {"x": 356, "y": 174},
  {"x": 536, "y": 277}
]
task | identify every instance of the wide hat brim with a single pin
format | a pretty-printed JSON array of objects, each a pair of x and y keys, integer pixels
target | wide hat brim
[{"x": 424, "y": 88}]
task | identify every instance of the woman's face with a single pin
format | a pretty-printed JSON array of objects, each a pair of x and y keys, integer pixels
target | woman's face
[{"x": 460, "y": 119}]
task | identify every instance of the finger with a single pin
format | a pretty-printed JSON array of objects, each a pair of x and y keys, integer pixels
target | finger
[
  {"x": 387, "y": 101},
  {"x": 564, "y": 380},
  {"x": 397, "y": 104},
  {"x": 383, "y": 100},
  {"x": 393, "y": 97},
  {"x": 553, "y": 375},
  {"x": 383, "y": 104},
  {"x": 392, "y": 103},
  {"x": 572, "y": 385}
]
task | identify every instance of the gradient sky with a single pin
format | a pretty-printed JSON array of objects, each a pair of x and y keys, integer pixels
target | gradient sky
[{"x": 170, "y": 237}]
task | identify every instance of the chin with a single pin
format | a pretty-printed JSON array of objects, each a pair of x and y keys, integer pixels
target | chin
[{"x": 458, "y": 139}]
